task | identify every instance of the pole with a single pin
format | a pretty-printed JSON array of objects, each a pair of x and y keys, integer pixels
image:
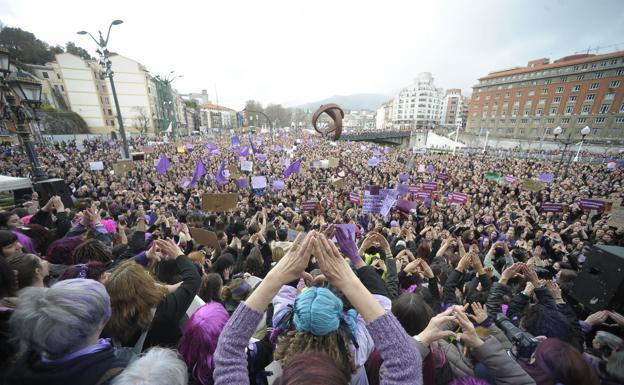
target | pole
[
  {"x": 25, "y": 136},
  {"x": 456, "y": 137},
  {"x": 542, "y": 140},
  {"x": 576, "y": 158},
  {"x": 122, "y": 130},
  {"x": 487, "y": 135},
  {"x": 565, "y": 148}
]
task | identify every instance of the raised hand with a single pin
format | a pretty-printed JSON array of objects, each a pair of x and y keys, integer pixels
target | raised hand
[
  {"x": 480, "y": 313},
  {"x": 333, "y": 266},
  {"x": 347, "y": 245},
  {"x": 294, "y": 263},
  {"x": 435, "y": 329},
  {"x": 468, "y": 335},
  {"x": 169, "y": 248}
]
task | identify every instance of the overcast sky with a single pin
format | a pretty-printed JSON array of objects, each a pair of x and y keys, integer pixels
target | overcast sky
[{"x": 293, "y": 51}]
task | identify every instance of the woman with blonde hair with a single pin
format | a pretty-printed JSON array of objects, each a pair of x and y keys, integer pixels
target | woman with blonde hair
[{"x": 145, "y": 314}]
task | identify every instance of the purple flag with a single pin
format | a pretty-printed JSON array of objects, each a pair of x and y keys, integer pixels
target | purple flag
[
  {"x": 430, "y": 169},
  {"x": 200, "y": 171},
  {"x": 210, "y": 146},
  {"x": 235, "y": 141},
  {"x": 546, "y": 177},
  {"x": 278, "y": 184},
  {"x": 403, "y": 189},
  {"x": 261, "y": 156},
  {"x": 403, "y": 177},
  {"x": 244, "y": 151},
  {"x": 253, "y": 146},
  {"x": 163, "y": 165},
  {"x": 220, "y": 177},
  {"x": 185, "y": 182},
  {"x": 294, "y": 168}
]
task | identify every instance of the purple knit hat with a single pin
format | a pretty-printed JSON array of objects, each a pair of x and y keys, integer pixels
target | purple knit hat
[{"x": 60, "y": 251}]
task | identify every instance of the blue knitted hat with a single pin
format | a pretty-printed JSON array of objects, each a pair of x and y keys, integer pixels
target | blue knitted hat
[{"x": 317, "y": 311}]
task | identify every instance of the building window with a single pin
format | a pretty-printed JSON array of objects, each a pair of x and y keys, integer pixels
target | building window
[
  {"x": 559, "y": 90},
  {"x": 598, "y": 75},
  {"x": 531, "y": 92},
  {"x": 581, "y": 120},
  {"x": 594, "y": 86},
  {"x": 589, "y": 97},
  {"x": 614, "y": 84},
  {"x": 580, "y": 77},
  {"x": 110, "y": 112},
  {"x": 619, "y": 119},
  {"x": 58, "y": 76},
  {"x": 604, "y": 108},
  {"x": 538, "y": 112},
  {"x": 62, "y": 88},
  {"x": 553, "y": 110},
  {"x": 569, "y": 109},
  {"x": 556, "y": 99},
  {"x": 526, "y": 112},
  {"x": 622, "y": 109},
  {"x": 576, "y": 88},
  {"x": 524, "y": 121},
  {"x": 609, "y": 96},
  {"x": 599, "y": 120},
  {"x": 45, "y": 75},
  {"x": 572, "y": 98},
  {"x": 565, "y": 120},
  {"x": 518, "y": 94},
  {"x": 563, "y": 79},
  {"x": 544, "y": 91},
  {"x": 547, "y": 81},
  {"x": 585, "y": 110},
  {"x": 619, "y": 73}
]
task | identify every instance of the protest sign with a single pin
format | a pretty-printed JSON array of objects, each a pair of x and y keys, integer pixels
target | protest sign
[
  {"x": 457, "y": 198},
  {"x": 616, "y": 217},
  {"x": 233, "y": 171},
  {"x": 355, "y": 197},
  {"x": 309, "y": 205},
  {"x": 547, "y": 177},
  {"x": 405, "y": 206},
  {"x": 96, "y": 166},
  {"x": 372, "y": 162},
  {"x": 532, "y": 185},
  {"x": 181, "y": 149},
  {"x": 148, "y": 149},
  {"x": 242, "y": 183},
  {"x": 219, "y": 202},
  {"x": 258, "y": 182},
  {"x": 121, "y": 167},
  {"x": 339, "y": 183},
  {"x": 371, "y": 204},
  {"x": 204, "y": 237},
  {"x": 443, "y": 176},
  {"x": 333, "y": 162},
  {"x": 421, "y": 168},
  {"x": 324, "y": 163},
  {"x": 278, "y": 184},
  {"x": 551, "y": 207},
  {"x": 494, "y": 176},
  {"x": 591, "y": 204},
  {"x": 246, "y": 165},
  {"x": 430, "y": 186},
  {"x": 387, "y": 205}
]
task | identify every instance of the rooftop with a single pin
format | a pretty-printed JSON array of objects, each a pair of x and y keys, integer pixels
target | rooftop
[
  {"x": 215, "y": 107},
  {"x": 544, "y": 63}
]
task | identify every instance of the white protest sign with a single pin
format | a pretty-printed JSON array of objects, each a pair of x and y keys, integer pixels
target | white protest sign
[
  {"x": 96, "y": 166},
  {"x": 246, "y": 165}
]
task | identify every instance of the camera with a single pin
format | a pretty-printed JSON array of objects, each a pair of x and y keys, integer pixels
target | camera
[{"x": 524, "y": 342}]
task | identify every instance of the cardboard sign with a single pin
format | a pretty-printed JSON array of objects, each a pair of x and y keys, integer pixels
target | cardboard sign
[
  {"x": 550, "y": 207},
  {"x": 334, "y": 162},
  {"x": 233, "y": 170},
  {"x": 204, "y": 237},
  {"x": 123, "y": 166},
  {"x": 616, "y": 218},
  {"x": 181, "y": 149},
  {"x": 532, "y": 185},
  {"x": 219, "y": 202},
  {"x": 96, "y": 166},
  {"x": 148, "y": 149},
  {"x": 339, "y": 183}
]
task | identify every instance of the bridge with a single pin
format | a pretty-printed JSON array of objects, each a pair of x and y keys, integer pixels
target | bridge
[{"x": 384, "y": 137}]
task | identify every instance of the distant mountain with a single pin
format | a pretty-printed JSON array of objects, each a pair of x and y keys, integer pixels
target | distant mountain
[{"x": 351, "y": 102}]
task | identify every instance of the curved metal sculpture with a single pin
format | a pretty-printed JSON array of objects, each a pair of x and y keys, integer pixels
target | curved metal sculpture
[{"x": 335, "y": 113}]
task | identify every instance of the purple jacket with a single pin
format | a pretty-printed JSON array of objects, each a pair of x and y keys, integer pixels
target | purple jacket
[{"x": 402, "y": 361}]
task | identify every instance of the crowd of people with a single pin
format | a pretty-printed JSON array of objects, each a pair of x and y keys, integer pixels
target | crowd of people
[{"x": 133, "y": 283}]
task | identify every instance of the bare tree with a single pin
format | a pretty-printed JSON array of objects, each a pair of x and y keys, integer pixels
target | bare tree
[{"x": 141, "y": 119}]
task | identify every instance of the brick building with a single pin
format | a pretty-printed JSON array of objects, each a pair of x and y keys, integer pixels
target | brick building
[{"x": 527, "y": 103}]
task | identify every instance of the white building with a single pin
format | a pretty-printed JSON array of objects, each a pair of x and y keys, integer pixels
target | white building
[
  {"x": 383, "y": 116},
  {"x": 419, "y": 105},
  {"x": 359, "y": 120},
  {"x": 89, "y": 94},
  {"x": 454, "y": 109}
]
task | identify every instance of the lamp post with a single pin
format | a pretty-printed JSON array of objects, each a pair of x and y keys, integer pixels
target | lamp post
[
  {"x": 108, "y": 71},
  {"x": 557, "y": 131},
  {"x": 19, "y": 98},
  {"x": 265, "y": 116}
]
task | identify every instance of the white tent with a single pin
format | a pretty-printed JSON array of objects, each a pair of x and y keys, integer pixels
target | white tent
[
  {"x": 9, "y": 183},
  {"x": 441, "y": 142}
]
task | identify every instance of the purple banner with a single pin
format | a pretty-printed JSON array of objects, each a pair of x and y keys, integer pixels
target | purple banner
[
  {"x": 405, "y": 205},
  {"x": 309, "y": 205},
  {"x": 549, "y": 207},
  {"x": 443, "y": 176},
  {"x": 430, "y": 186},
  {"x": 457, "y": 197},
  {"x": 591, "y": 204}
]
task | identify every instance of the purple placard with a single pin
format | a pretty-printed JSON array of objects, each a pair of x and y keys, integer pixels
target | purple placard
[
  {"x": 354, "y": 197},
  {"x": 278, "y": 184},
  {"x": 591, "y": 204},
  {"x": 261, "y": 156},
  {"x": 547, "y": 177},
  {"x": 443, "y": 176},
  {"x": 550, "y": 207},
  {"x": 405, "y": 206},
  {"x": 403, "y": 177},
  {"x": 258, "y": 181},
  {"x": 309, "y": 205},
  {"x": 422, "y": 195},
  {"x": 430, "y": 186},
  {"x": 457, "y": 197},
  {"x": 242, "y": 183},
  {"x": 413, "y": 189}
]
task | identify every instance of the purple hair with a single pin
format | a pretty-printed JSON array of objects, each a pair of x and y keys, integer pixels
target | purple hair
[
  {"x": 60, "y": 251},
  {"x": 199, "y": 340},
  {"x": 469, "y": 381}
]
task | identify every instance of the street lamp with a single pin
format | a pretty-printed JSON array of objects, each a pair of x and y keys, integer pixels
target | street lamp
[
  {"x": 557, "y": 131},
  {"x": 28, "y": 92},
  {"x": 107, "y": 67}
]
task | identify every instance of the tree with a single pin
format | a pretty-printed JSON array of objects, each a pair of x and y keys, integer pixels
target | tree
[
  {"x": 141, "y": 119},
  {"x": 279, "y": 115},
  {"x": 24, "y": 47},
  {"x": 72, "y": 48},
  {"x": 253, "y": 119}
]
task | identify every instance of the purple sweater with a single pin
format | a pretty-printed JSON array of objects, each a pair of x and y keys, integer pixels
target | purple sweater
[{"x": 402, "y": 361}]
